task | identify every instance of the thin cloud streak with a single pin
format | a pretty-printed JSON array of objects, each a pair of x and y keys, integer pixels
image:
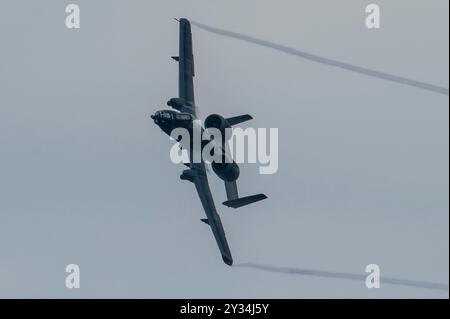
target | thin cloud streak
[
  {"x": 326, "y": 61},
  {"x": 341, "y": 275}
]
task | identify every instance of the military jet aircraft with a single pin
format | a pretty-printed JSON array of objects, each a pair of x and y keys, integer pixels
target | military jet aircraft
[{"x": 184, "y": 116}]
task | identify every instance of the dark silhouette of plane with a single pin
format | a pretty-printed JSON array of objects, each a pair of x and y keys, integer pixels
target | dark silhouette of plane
[{"x": 184, "y": 116}]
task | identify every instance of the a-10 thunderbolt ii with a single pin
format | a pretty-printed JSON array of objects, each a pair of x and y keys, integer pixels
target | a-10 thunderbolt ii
[{"x": 183, "y": 116}]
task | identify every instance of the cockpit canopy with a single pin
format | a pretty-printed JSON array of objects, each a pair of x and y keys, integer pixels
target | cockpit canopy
[
  {"x": 163, "y": 115},
  {"x": 170, "y": 117}
]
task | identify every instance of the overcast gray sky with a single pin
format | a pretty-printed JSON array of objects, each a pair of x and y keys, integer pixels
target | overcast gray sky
[{"x": 85, "y": 176}]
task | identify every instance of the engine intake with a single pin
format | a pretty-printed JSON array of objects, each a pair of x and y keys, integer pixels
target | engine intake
[{"x": 217, "y": 121}]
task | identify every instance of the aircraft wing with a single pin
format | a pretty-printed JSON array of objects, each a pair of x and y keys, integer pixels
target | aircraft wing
[
  {"x": 197, "y": 171},
  {"x": 197, "y": 175},
  {"x": 186, "y": 71}
]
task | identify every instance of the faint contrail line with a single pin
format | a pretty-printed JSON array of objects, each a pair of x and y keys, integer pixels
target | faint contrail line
[
  {"x": 326, "y": 61},
  {"x": 342, "y": 275}
]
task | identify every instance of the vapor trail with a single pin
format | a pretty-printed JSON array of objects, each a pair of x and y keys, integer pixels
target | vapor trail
[
  {"x": 342, "y": 275},
  {"x": 326, "y": 61}
]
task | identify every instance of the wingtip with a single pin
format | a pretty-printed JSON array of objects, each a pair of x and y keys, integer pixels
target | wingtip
[
  {"x": 183, "y": 21},
  {"x": 228, "y": 260}
]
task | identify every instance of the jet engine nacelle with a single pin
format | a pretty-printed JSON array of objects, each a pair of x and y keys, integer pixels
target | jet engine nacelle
[
  {"x": 219, "y": 122},
  {"x": 226, "y": 171}
]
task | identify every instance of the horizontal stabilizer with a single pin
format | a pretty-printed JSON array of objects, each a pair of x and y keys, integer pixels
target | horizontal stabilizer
[
  {"x": 239, "y": 202},
  {"x": 239, "y": 119},
  {"x": 205, "y": 220},
  {"x": 176, "y": 58}
]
